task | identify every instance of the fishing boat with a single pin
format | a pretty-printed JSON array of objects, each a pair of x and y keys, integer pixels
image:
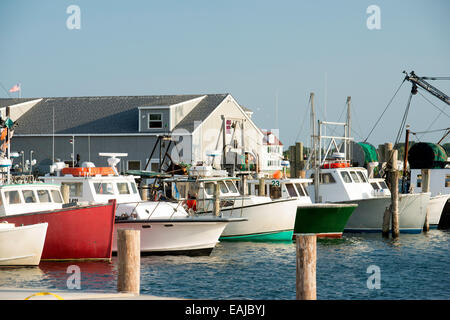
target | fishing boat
[
  {"x": 21, "y": 246},
  {"x": 74, "y": 232},
  {"x": 339, "y": 182},
  {"x": 325, "y": 220},
  {"x": 266, "y": 219},
  {"x": 166, "y": 227},
  {"x": 440, "y": 192}
]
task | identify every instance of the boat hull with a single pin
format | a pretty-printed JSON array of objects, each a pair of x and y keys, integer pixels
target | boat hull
[
  {"x": 22, "y": 246},
  {"x": 435, "y": 208},
  {"x": 268, "y": 221},
  {"x": 325, "y": 220},
  {"x": 189, "y": 236},
  {"x": 368, "y": 216},
  {"x": 74, "y": 233}
]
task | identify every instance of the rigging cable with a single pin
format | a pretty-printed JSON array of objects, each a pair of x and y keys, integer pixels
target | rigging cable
[
  {"x": 405, "y": 116},
  {"x": 385, "y": 110}
]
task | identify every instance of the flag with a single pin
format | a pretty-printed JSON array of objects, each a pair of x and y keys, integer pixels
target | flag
[
  {"x": 4, "y": 133},
  {"x": 15, "y": 88},
  {"x": 9, "y": 123}
]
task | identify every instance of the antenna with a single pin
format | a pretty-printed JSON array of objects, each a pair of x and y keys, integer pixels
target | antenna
[{"x": 113, "y": 161}]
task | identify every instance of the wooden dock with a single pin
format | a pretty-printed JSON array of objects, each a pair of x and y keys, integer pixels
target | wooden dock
[{"x": 7, "y": 293}]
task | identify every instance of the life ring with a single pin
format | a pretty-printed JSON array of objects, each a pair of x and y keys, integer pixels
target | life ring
[
  {"x": 335, "y": 165},
  {"x": 88, "y": 171}
]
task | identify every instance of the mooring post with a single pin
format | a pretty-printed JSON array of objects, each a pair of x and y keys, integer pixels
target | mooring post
[
  {"x": 216, "y": 206},
  {"x": 306, "y": 266},
  {"x": 244, "y": 188},
  {"x": 129, "y": 260},
  {"x": 386, "y": 222},
  {"x": 262, "y": 187},
  {"x": 65, "y": 191},
  {"x": 394, "y": 194},
  {"x": 426, "y": 188},
  {"x": 144, "y": 191}
]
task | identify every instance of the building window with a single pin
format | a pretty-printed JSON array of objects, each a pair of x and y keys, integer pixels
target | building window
[
  {"x": 134, "y": 165},
  {"x": 155, "y": 121}
]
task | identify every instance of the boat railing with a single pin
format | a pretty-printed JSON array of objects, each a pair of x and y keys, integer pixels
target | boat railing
[{"x": 138, "y": 203}]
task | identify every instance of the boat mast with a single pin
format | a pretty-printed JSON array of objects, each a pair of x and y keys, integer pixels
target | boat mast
[
  {"x": 348, "y": 153},
  {"x": 314, "y": 138}
]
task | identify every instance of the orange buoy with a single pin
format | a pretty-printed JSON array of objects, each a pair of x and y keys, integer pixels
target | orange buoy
[{"x": 277, "y": 174}]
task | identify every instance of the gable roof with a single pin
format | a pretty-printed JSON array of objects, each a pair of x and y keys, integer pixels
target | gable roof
[{"x": 104, "y": 114}]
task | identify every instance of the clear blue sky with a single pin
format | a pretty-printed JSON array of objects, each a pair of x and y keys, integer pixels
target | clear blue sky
[{"x": 251, "y": 49}]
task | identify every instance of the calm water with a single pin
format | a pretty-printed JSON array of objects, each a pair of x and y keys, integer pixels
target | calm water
[{"x": 414, "y": 267}]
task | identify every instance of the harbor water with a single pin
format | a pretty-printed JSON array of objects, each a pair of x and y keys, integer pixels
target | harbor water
[{"x": 358, "y": 266}]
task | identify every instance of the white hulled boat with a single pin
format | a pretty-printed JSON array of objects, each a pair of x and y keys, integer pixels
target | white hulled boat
[
  {"x": 21, "y": 246},
  {"x": 439, "y": 188},
  {"x": 267, "y": 219},
  {"x": 166, "y": 227},
  {"x": 339, "y": 182}
]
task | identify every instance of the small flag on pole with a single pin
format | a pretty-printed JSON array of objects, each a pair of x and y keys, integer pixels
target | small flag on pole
[{"x": 15, "y": 88}]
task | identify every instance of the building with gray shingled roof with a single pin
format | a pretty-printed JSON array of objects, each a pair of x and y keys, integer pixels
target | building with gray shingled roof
[{"x": 199, "y": 125}]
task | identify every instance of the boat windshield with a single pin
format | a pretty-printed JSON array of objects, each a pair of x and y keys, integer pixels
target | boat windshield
[
  {"x": 56, "y": 195},
  {"x": 361, "y": 176},
  {"x": 209, "y": 188},
  {"x": 291, "y": 190},
  {"x": 383, "y": 185},
  {"x": 300, "y": 190},
  {"x": 44, "y": 196},
  {"x": 12, "y": 197},
  {"x": 133, "y": 187},
  {"x": 123, "y": 188},
  {"x": 75, "y": 188},
  {"x": 232, "y": 187},
  {"x": 354, "y": 176},
  {"x": 28, "y": 196},
  {"x": 223, "y": 187},
  {"x": 375, "y": 186},
  {"x": 346, "y": 177},
  {"x": 103, "y": 188}
]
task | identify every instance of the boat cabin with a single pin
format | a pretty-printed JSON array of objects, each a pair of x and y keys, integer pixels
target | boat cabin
[
  {"x": 439, "y": 181},
  {"x": 282, "y": 188},
  {"x": 342, "y": 184},
  {"x": 98, "y": 188},
  {"x": 27, "y": 198}
]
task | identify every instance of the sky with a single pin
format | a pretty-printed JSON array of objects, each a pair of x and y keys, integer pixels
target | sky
[{"x": 270, "y": 55}]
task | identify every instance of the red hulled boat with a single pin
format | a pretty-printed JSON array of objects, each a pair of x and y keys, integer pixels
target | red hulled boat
[{"x": 74, "y": 233}]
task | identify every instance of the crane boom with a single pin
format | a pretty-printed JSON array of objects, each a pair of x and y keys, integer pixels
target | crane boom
[{"x": 419, "y": 81}]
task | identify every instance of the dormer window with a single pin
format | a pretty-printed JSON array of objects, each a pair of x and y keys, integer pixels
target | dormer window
[{"x": 155, "y": 121}]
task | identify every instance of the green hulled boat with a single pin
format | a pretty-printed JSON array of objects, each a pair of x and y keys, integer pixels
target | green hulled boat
[{"x": 323, "y": 219}]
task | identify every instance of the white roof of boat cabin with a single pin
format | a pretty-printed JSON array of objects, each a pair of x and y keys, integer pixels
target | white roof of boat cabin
[
  {"x": 29, "y": 185},
  {"x": 287, "y": 180},
  {"x": 96, "y": 177},
  {"x": 199, "y": 179}
]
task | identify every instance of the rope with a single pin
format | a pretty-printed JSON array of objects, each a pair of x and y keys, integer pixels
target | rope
[
  {"x": 405, "y": 116},
  {"x": 45, "y": 294},
  {"x": 376, "y": 123}
]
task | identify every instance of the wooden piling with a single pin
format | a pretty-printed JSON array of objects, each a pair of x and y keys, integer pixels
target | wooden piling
[
  {"x": 425, "y": 189},
  {"x": 306, "y": 266},
  {"x": 144, "y": 191},
  {"x": 386, "y": 222},
  {"x": 394, "y": 193},
  {"x": 65, "y": 191},
  {"x": 216, "y": 205},
  {"x": 262, "y": 187},
  {"x": 129, "y": 260}
]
